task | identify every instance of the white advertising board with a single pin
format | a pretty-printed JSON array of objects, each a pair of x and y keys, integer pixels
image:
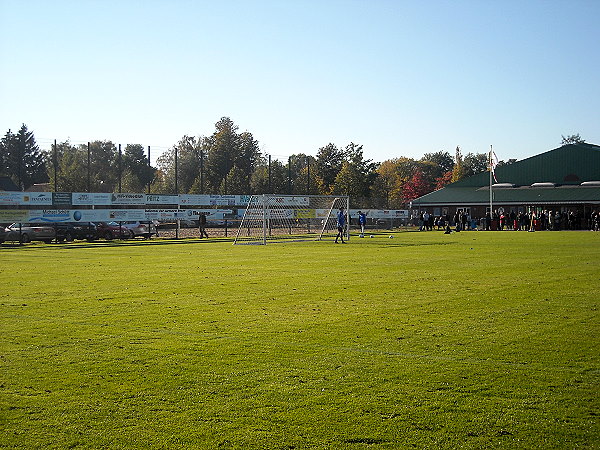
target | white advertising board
[
  {"x": 91, "y": 199},
  {"x": 194, "y": 199},
  {"x": 155, "y": 199},
  {"x": 11, "y": 198},
  {"x": 292, "y": 201},
  {"x": 128, "y": 199}
]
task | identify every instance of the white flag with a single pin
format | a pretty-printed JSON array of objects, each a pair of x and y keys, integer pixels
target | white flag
[{"x": 493, "y": 164}]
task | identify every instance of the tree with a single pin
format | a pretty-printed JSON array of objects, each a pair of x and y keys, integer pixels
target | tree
[
  {"x": 71, "y": 167},
  {"x": 572, "y": 139},
  {"x": 382, "y": 189},
  {"x": 416, "y": 187},
  {"x": 222, "y": 154},
  {"x": 442, "y": 160},
  {"x": 103, "y": 165},
  {"x": 137, "y": 173},
  {"x": 188, "y": 151},
  {"x": 259, "y": 181},
  {"x": 458, "y": 171},
  {"x": 328, "y": 164},
  {"x": 475, "y": 163},
  {"x": 21, "y": 158},
  {"x": 362, "y": 171},
  {"x": 444, "y": 180}
]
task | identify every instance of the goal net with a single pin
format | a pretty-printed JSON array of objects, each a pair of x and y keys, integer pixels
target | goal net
[{"x": 276, "y": 218}]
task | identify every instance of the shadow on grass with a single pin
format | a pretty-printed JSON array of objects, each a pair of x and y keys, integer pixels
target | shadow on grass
[{"x": 103, "y": 244}]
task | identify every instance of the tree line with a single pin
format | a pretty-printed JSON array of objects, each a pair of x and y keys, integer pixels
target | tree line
[{"x": 231, "y": 162}]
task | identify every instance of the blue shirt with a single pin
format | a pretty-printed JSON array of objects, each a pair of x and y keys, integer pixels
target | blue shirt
[
  {"x": 341, "y": 219},
  {"x": 362, "y": 218}
]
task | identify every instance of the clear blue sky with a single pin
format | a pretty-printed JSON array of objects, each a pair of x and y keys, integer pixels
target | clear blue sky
[{"x": 403, "y": 78}]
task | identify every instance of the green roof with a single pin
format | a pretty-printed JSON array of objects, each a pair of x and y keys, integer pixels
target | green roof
[
  {"x": 522, "y": 196},
  {"x": 570, "y": 164},
  {"x": 566, "y": 167}
]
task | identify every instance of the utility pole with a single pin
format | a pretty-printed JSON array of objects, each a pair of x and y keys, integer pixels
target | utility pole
[
  {"x": 120, "y": 167},
  {"x": 89, "y": 159},
  {"x": 149, "y": 166},
  {"x": 55, "y": 166}
]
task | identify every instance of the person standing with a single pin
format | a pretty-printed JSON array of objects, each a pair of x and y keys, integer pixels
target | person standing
[
  {"x": 202, "y": 225},
  {"x": 341, "y": 223},
  {"x": 362, "y": 221}
]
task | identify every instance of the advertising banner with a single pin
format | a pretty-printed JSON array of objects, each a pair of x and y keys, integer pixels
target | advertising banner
[
  {"x": 194, "y": 199},
  {"x": 14, "y": 215},
  {"x": 154, "y": 199},
  {"x": 165, "y": 214},
  {"x": 128, "y": 199},
  {"x": 304, "y": 213},
  {"x": 37, "y": 198},
  {"x": 211, "y": 214},
  {"x": 218, "y": 200},
  {"x": 61, "y": 199},
  {"x": 91, "y": 199},
  {"x": 11, "y": 198},
  {"x": 292, "y": 201}
]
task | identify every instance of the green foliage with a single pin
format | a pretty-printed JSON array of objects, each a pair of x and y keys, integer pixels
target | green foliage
[
  {"x": 425, "y": 340},
  {"x": 572, "y": 139},
  {"x": 137, "y": 172},
  {"x": 442, "y": 160},
  {"x": 329, "y": 162},
  {"x": 475, "y": 163},
  {"x": 21, "y": 158},
  {"x": 458, "y": 171}
]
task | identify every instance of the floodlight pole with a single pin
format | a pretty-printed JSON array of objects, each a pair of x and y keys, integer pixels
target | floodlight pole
[
  {"x": 149, "y": 166},
  {"x": 55, "y": 166},
  {"x": 491, "y": 195}
]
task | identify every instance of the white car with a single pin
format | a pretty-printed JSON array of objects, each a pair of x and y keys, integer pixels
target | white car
[{"x": 138, "y": 228}]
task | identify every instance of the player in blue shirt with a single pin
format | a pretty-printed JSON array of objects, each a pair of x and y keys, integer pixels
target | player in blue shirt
[
  {"x": 341, "y": 222},
  {"x": 362, "y": 221}
]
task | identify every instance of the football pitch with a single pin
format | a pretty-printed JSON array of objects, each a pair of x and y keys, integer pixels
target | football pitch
[{"x": 426, "y": 340}]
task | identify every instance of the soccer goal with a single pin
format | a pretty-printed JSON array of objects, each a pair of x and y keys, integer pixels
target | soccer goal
[{"x": 276, "y": 218}]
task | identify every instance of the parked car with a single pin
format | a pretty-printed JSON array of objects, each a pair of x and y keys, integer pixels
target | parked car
[
  {"x": 70, "y": 231},
  {"x": 2, "y": 234},
  {"x": 144, "y": 229},
  {"x": 112, "y": 230},
  {"x": 28, "y": 232}
]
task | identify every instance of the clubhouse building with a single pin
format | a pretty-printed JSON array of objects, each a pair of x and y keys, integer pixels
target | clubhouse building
[{"x": 566, "y": 179}]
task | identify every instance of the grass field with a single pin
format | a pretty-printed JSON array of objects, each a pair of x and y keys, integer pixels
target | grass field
[{"x": 469, "y": 340}]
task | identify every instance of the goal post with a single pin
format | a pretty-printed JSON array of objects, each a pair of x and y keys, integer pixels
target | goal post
[{"x": 277, "y": 218}]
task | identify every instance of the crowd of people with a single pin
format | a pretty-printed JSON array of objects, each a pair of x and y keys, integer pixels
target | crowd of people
[{"x": 513, "y": 221}]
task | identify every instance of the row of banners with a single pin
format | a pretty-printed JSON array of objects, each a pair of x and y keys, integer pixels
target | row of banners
[
  {"x": 68, "y": 199},
  {"x": 107, "y": 215},
  {"x": 142, "y": 215}
]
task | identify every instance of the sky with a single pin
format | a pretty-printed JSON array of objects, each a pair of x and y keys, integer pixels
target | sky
[{"x": 401, "y": 78}]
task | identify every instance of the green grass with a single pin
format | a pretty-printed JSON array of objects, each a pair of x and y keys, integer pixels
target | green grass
[{"x": 471, "y": 340}]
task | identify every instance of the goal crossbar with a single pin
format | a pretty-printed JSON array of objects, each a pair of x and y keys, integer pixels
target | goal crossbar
[{"x": 277, "y": 218}]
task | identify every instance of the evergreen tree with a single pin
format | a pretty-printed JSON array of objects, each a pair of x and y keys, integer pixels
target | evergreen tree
[
  {"x": 21, "y": 158},
  {"x": 137, "y": 173}
]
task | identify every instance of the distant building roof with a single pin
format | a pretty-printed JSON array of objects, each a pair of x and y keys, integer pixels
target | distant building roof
[
  {"x": 569, "y": 164},
  {"x": 6, "y": 184},
  {"x": 555, "y": 176}
]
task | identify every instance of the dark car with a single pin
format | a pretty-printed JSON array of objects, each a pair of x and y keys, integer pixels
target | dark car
[
  {"x": 71, "y": 231},
  {"x": 2, "y": 234},
  {"x": 112, "y": 230}
]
